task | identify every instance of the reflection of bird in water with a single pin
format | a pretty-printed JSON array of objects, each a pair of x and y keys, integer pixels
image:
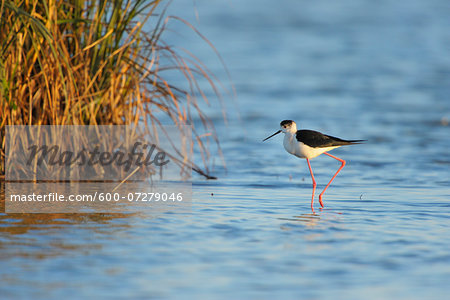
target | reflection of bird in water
[
  {"x": 311, "y": 220},
  {"x": 309, "y": 144}
]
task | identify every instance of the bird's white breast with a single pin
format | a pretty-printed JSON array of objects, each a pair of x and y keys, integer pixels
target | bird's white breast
[{"x": 301, "y": 150}]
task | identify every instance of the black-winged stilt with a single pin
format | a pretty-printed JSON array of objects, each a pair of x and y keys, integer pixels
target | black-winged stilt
[{"x": 309, "y": 144}]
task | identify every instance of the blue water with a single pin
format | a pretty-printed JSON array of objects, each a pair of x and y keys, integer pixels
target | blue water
[{"x": 375, "y": 70}]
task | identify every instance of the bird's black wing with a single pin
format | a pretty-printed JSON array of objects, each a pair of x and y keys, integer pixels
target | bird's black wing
[{"x": 316, "y": 139}]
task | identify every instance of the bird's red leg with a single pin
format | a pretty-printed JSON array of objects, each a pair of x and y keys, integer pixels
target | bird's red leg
[
  {"x": 314, "y": 185},
  {"x": 342, "y": 165}
]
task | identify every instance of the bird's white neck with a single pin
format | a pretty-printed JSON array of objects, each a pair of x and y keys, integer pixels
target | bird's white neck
[{"x": 289, "y": 142}]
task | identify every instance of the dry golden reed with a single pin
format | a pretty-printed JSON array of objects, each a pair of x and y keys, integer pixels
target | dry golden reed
[{"x": 94, "y": 62}]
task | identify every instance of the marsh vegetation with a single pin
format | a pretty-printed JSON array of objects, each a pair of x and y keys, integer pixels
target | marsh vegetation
[{"x": 94, "y": 62}]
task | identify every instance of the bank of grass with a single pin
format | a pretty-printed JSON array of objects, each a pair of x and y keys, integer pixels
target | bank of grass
[{"x": 94, "y": 62}]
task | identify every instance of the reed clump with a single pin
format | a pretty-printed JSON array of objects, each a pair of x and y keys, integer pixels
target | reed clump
[{"x": 78, "y": 62}]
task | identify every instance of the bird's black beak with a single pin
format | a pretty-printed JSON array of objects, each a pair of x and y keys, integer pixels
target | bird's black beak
[{"x": 272, "y": 135}]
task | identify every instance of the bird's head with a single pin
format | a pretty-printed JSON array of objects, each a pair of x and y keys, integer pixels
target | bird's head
[{"x": 286, "y": 126}]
